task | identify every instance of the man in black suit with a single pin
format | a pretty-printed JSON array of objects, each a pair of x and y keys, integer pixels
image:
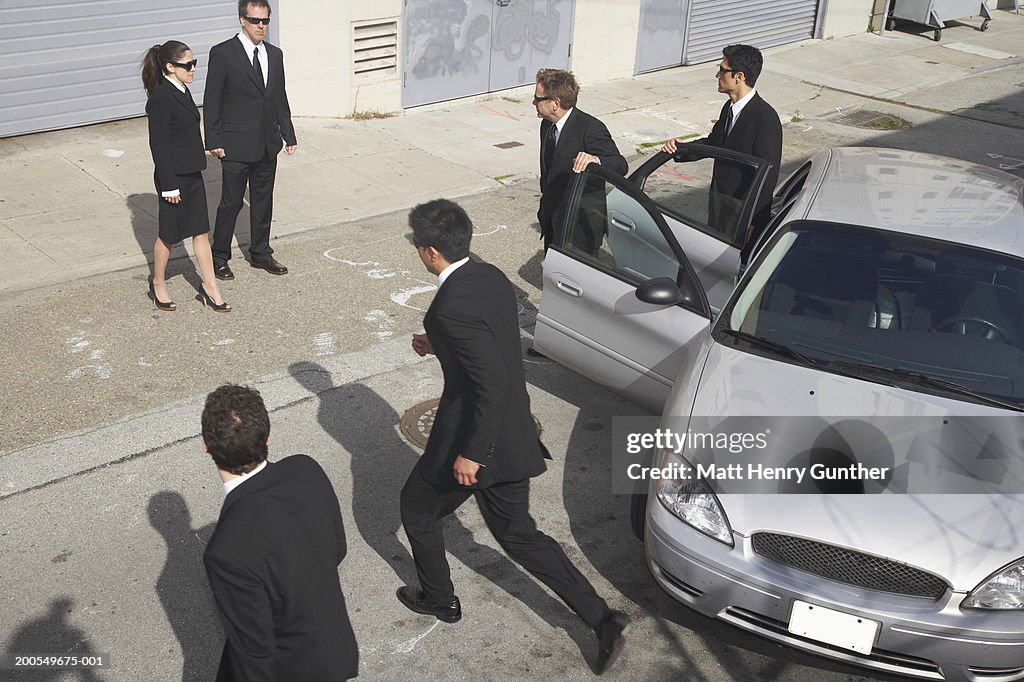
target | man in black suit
[
  {"x": 273, "y": 559},
  {"x": 570, "y": 140},
  {"x": 747, "y": 124},
  {"x": 483, "y": 442},
  {"x": 247, "y": 121}
]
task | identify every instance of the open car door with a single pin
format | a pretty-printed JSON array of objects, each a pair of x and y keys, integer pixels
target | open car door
[
  {"x": 621, "y": 304},
  {"x": 707, "y": 196}
]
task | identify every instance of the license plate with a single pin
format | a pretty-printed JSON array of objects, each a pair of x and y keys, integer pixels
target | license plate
[{"x": 833, "y": 627}]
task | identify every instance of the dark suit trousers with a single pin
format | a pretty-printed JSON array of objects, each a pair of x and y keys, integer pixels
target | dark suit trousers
[
  {"x": 506, "y": 510},
  {"x": 260, "y": 176}
]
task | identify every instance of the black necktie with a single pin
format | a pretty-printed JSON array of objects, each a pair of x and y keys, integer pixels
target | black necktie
[
  {"x": 728, "y": 120},
  {"x": 549, "y": 146},
  {"x": 257, "y": 69}
]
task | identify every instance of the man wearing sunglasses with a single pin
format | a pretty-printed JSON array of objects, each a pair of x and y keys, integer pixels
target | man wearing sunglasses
[
  {"x": 747, "y": 124},
  {"x": 247, "y": 121},
  {"x": 570, "y": 140}
]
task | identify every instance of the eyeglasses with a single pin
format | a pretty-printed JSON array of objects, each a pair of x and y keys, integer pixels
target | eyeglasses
[
  {"x": 188, "y": 66},
  {"x": 258, "y": 20},
  {"x": 722, "y": 71},
  {"x": 538, "y": 100}
]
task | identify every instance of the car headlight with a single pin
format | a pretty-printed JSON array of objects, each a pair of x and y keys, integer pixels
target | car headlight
[
  {"x": 692, "y": 500},
  {"x": 1004, "y": 589}
]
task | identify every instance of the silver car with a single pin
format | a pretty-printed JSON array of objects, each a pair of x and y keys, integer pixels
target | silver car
[{"x": 885, "y": 298}]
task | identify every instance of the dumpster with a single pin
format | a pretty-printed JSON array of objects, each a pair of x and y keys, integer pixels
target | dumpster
[{"x": 935, "y": 13}]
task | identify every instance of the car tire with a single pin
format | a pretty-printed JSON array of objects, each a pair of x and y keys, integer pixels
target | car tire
[{"x": 638, "y": 515}]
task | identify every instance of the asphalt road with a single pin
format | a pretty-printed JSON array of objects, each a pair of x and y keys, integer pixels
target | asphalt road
[{"x": 109, "y": 498}]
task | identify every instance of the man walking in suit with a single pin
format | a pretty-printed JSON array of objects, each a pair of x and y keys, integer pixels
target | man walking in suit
[
  {"x": 483, "y": 442},
  {"x": 570, "y": 140},
  {"x": 273, "y": 559},
  {"x": 747, "y": 124},
  {"x": 247, "y": 120}
]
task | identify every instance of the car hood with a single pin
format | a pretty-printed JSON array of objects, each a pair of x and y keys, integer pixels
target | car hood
[{"x": 962, "y": 537}]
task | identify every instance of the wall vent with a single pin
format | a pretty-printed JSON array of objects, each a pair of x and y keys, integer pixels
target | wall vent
[{"x": 375, "y": 49}]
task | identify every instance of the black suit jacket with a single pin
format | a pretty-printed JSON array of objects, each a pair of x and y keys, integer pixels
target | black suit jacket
[
  {"x": 272, "y": 563},
  {"x": 484, "y": 413},
  {"x": 581, "y": 133},
  {"x": 240, "y": 117},
  {"x": 758, "y": 132},
  {"x": 174, "y": 136}
]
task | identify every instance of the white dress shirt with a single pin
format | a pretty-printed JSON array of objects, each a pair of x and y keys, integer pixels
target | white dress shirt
[
  {"x": 249, "y": 47},
  {"x": 737, "y": 107},
  {"x": 239, "y": 480}
]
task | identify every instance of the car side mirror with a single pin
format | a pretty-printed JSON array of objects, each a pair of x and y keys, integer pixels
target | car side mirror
[{"x": 659, "y": 291}]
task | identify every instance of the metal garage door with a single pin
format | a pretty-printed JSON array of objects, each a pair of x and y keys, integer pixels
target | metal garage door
[
  {"x": 761, "y": 23},
  {"x": 64, "y": 64}
]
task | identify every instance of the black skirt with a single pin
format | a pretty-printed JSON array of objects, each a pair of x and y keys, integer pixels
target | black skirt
[{"x": 189, "y": 217}]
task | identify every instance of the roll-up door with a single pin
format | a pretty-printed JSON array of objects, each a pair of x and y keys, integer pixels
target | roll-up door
[
  {"x": 64, "y": 64},
  {"x": 761, "y": 23}
]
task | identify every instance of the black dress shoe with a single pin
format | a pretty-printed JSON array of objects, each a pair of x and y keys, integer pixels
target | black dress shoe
[
  {"x": 611, "y": 636},
  {"x": 270, "y": 265},
  {"x": 221, "y": 270},
  {"x": 415, "y": 600}
]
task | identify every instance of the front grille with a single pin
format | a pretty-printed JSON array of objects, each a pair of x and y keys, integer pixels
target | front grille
[{"x": 848, "y": 567}]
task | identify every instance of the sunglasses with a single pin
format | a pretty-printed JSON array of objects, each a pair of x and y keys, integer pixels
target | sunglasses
[
  {"x": 258, "y": 20},
  {"x": 188, "y": 66},
  {"x": 537, "y": 100},
  {"x": 722, "y": 71}
]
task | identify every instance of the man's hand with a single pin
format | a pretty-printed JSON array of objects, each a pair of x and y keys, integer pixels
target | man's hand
[
  {"x": 290, "y": 149},
  {"x": 670, "y": 146},
  {"x": 176, "y": 199},
  {"x": 218, "y": 152},
  {"x": 421, "y": 344},
  {"x": 582, "y": 160},
  {"x": 465, "y": 471}
]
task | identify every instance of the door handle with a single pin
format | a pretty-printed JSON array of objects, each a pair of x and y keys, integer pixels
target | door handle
[
  {"x": 570, "y": 288},
  {"x": 621, "y": 223},
  {"x": 503, "y": 3}
]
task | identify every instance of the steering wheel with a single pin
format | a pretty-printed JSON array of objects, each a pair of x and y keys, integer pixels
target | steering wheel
[{"x": 974, "y": 325}]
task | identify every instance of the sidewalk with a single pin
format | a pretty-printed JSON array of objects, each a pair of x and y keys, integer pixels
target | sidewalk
[{"x": 80, "y": 202}]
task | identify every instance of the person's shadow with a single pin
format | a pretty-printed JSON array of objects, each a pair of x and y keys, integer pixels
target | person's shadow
[
  {"x": 52, "y": 633},
  {"x": 182, "y": 587},
  {"x": 380, "y": 463}
]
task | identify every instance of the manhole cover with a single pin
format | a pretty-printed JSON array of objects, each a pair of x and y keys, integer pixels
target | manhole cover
[
  {"x": 416, "y": 422},
  {"x": 874, "y": 120}
]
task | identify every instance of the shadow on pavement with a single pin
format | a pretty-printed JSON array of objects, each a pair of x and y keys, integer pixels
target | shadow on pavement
[
  {"x": 52, "y": 633},
  {"x": 182, "y": 587},
  {"x": 380, "y": 463}
]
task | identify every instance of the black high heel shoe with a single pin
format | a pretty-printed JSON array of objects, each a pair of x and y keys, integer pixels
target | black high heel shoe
[
  {"x": 205, "y": 299},
  {"x": 161, "y": 305}
]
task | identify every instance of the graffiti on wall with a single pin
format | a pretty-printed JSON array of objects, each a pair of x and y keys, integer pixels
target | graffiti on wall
[
  {"x": 449, "y": 38},
  {"x": 518, "y": 23}
]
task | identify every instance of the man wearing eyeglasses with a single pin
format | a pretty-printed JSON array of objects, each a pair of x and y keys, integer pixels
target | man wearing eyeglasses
[
  {"x": 747, "y": 124},
  {"x": 570, "y": 140},
  {"x": 247, "y": 121}
]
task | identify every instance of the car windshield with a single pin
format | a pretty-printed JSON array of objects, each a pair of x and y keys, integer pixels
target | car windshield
[{"x": 884, "y": 306}]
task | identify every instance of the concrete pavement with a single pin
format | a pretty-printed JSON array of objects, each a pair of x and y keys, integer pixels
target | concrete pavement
[{"x": 80, "y": 202}]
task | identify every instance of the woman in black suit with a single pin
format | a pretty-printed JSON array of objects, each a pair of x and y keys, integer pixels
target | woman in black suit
[{"x": 179, "y": 158}]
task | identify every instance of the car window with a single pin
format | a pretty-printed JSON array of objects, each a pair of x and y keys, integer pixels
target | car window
[
  {"x": 905, "y": 302},
  {"x": 611, "y": 231},
  {"x": 707, "y": 194}
]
